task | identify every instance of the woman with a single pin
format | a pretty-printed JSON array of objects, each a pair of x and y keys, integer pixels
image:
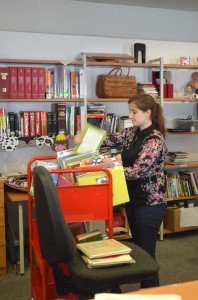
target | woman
[{"x": 143, "y": 155}]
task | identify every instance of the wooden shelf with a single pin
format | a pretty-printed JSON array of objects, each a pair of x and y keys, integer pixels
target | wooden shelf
[
  {"x": 182, "y": 198},
  {"x": 29, "y": 61},
  {"x": 66, "y": 100},
  {"x": 181, "y": 132},
  {"x": 184, "y": 100},
  {"x": 179, "y": 66},
  {"x": 190, "y": 164},
  {"x": 114, "y": 63}
]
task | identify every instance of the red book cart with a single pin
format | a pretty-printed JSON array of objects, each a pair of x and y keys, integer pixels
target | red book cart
[{"x": 79, "y": 204}]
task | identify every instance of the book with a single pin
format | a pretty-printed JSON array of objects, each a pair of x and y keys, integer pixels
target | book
[
  {"x": 28, "y": 82},
  {"x": 114, "y": 165},
  {"x": 95, "y": 235},
  {"x": 4, "y": 83},
  {"x": 32, "y": 124},
  {"x": 13, "y": 82},
  {"x": 21, "y": 82},
  {"x": 35, "y": 76},
  {"x": 108, "y": 261},
  {"x": 41, "y": 83},
  {"x": 120, "y": 191},
  {"x": 104, "y": 248},
  {"x": 92, "y": 139},
  {"x": 69, "y": 158}
]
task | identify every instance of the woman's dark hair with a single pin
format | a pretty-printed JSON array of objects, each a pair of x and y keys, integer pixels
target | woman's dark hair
[{"x": 145, "y": 102}]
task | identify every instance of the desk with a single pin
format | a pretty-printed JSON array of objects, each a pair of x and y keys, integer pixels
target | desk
[
  {"x": 19, "y": 197},
  {"x": 188, "y": 290}
]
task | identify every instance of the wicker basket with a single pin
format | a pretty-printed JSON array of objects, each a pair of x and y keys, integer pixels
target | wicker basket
[{"x": 116, "y": 85}]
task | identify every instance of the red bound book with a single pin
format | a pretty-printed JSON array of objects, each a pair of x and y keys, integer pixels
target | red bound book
[
  {"x": 41, "y": 83},
  {"x": 35, "y": 72},
  {"x": 32, "y": 123},
  {"x": 26, "y": 123},
  {"x": 43, "y": 122},
  {"x": 169, "y": 90},
  {"x": 38, "y": 122},
  {"x": 28, "y": 82},
  {"x": 4, "y": 83},
  {"x": 21, "y": 83},
  {"x": 13, "y": 82}
]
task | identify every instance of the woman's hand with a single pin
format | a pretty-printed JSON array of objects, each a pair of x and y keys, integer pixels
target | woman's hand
[{"x": 78, "y": 137}]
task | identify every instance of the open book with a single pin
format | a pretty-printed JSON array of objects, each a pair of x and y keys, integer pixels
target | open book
[
  {"x": 92, "y": 139},
  {"x": 104, "y": 248},
  {"x": 108, "y": 261}
]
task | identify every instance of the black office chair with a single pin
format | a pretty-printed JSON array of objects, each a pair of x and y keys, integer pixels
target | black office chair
[{"x": 58, "y": 246}]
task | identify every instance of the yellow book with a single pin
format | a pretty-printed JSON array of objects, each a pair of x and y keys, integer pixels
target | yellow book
[{"x": 120, "y": 191}]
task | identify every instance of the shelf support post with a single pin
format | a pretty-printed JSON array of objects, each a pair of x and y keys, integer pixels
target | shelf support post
[{"x": 85, "y": 87}]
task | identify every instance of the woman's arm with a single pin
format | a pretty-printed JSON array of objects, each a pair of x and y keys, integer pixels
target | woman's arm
[
  {"x": 116, "y": 138},
  {"x": 148, "y": 156}
]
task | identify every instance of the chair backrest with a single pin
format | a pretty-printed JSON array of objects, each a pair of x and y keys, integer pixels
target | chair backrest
[{"x": 56, "y": 240}]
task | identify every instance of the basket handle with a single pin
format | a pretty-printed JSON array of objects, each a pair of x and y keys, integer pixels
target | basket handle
[{"x": 116, "y": 70}]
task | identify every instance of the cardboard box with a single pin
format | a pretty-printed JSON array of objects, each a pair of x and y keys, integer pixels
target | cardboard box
[
  {"x": 3, "y": 256},
  {"x": 2, "y": 235},
  {"x": 1, "y": 197},
  {"x": 173, "y": 218}
]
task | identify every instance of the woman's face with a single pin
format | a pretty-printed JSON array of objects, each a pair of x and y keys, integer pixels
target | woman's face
[{"x": 139, "y": 118}]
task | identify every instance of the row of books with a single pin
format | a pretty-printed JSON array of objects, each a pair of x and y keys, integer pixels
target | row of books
[
  {"x": 18, "y": 82},
  {"x": 67, "y": 119},
  {"x": 23, "y": 123},
  {"x": 34, "y": 123},
  {"x": 22, "y": 82},
  {"x": 181, "y": 184},
  {"x": 64, "y": 83}
]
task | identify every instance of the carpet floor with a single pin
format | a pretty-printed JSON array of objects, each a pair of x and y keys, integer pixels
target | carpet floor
[{"x": 177, "y": 255}]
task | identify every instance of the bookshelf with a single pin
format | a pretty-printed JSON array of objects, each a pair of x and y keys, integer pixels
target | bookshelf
[{"x": 99, "y": 61}]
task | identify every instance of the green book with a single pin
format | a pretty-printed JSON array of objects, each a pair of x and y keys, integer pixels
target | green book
[{"x": 92, "y": 139}]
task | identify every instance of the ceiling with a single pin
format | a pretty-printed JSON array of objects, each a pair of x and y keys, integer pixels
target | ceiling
[{"x": 190, "y": 5}]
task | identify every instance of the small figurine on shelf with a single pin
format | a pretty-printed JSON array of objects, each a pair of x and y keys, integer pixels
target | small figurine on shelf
[
  {"x": 61, "y": 142},
  {"x": 191, "y": 89}
]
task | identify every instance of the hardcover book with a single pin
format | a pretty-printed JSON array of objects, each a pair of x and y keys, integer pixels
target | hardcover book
[
  {"x": 13, "y": 82},
  {"x": 120, "y": 192},
  {"x": 35, "y": 74},
  {"x": 95, "y": 235},
  {"x": 92, "y": 139},
  {"x": 104, "y": 248},
  {"x": 41, "y": 83},
  {"x": 32, "y": 124},
  {"x": 21, "y": 82},
  {"x": 28, "y": 82},
  {"x": 108, "y": 261},
  {"x": 4, "y": 83}
]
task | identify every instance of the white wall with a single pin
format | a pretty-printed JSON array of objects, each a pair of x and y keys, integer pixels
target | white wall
[
  {"x": 66, "y": 48},
  {"x": 96, "y": 19}
]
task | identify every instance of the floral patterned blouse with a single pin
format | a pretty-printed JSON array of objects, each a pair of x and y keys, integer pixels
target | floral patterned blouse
[{"x": 143, "y": 155}]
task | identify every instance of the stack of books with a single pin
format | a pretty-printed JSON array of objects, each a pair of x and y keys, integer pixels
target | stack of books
[
  {"x": 177, "y": 157},
  {"x": 147, "y": 88},
  {"x": 105, "y": 253}
]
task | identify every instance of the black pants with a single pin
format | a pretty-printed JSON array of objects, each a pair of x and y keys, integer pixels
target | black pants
[{"x": 144, "y": 223}]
